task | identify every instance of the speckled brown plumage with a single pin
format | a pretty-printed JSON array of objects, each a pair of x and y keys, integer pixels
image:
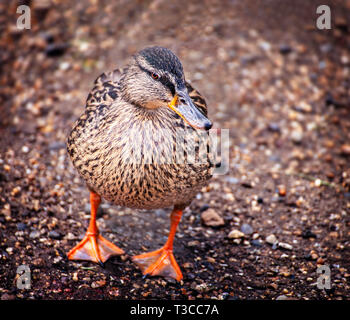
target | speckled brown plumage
[{"x": 103, "y": 144}]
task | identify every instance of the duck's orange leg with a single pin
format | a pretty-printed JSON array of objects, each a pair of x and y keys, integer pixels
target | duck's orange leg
[
  {"x": 94, "y": 247},
  {"x": 162, "y": 262}
]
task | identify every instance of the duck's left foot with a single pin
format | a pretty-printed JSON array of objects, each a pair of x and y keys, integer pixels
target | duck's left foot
[{"x": 159, "y": 263}]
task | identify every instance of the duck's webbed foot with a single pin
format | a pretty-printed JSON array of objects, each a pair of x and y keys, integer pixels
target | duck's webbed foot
[
  {"x": 158, "y": 263},
  {"x": 162, "y": 262},
  {"x": 94, "y": 247}
]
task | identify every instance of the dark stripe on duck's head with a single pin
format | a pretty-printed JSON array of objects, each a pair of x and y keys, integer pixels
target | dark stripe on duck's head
[{"x": 163, "y": 59}]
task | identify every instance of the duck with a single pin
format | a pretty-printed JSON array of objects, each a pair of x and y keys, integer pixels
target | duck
[{"x": 136, "y": 145}]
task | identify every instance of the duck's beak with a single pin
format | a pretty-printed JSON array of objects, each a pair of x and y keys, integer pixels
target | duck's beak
[{"x": 182, "y": 104}]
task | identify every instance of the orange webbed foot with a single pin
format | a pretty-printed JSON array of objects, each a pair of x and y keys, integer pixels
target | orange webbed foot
[
  {"x": 94, "y": 248},
  {"x": 159, "y": 263}
]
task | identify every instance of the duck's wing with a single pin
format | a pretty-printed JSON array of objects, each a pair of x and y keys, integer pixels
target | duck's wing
[
  {"x": 197, "y": 98},
  {"x": 102, "y": 95},
  {"x": 105, "y": 90}
]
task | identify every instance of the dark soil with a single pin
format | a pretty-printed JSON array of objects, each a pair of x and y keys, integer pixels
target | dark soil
[{"x": 269, "y": 75}]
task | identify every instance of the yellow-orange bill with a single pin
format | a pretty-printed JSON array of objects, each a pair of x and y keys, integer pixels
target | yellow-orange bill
[{"x": 186, "y": 109}]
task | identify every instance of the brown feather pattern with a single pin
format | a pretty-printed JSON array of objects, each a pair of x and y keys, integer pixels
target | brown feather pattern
[{"x": 128, "y": 154}]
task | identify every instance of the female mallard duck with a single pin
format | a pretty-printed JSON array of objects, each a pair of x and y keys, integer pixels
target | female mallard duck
[{"x": 126, "y": 144}]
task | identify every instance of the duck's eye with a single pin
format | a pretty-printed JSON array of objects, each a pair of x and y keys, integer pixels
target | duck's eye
[{"x": 155, "y": 76}]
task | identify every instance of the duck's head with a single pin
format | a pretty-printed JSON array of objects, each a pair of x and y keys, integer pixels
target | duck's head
[{"x": 155, "y": 79}]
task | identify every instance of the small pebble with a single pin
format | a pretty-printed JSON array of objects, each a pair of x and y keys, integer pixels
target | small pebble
[
  {"x": 303, "y": 107},
  {"x": 64, "y": 65},
  {"x": 38, "y": 262},
  {"x": 54, "y": 235},
  {"x": 98, "y": 284},
  {"x": 34, "y": 234},
  {"x": 21, "y": 226},
  {"x": 296, "y": 136},
  {"x": 266, "y": 46},
  {"x": 75, "y": 276},
  {"x": 70, "y": 236},
  {"x": 320, "y": 261},
  {"x": 232, "y": 180},
  {"x": 285, "y": 49},
  {"x": 114, "y": 292},
  {"x": 313, "y": 256},
  {"x": 274, "y": 127},
  {"x": 203, "y": 287},
  {"x": 282, "y": 190},
  {"x": 55, "y": 49},
  {"x": 211, "y": 218},
  {"x": 237, "y": 241},
  {"x": 345, "y": 149},
  {"x": 25, "y": 149},
  {"x": 273, "y": 286},
  {"x": 235, "y": 234},
  {"x": 271, "y": 239},
  {"x": 286, "y": 246},
  {"x": 193, "y": 243},
  {"x": 229, "y": 197},
  {"x": 211, "y": 260},
  {"x": 246, "y": 228},
  {"x": 318, "y": 182},
  {"x": 57, "y": 260},
  {"x": 307, "y": 233},
  {"x": 188, "y": 265},
  {"x": 256, "y": 243},
  {"x": 15, "y": 191}
]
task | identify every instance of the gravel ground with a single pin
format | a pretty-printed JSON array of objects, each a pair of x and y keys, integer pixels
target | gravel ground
[{"x": 279, "y": 84}]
